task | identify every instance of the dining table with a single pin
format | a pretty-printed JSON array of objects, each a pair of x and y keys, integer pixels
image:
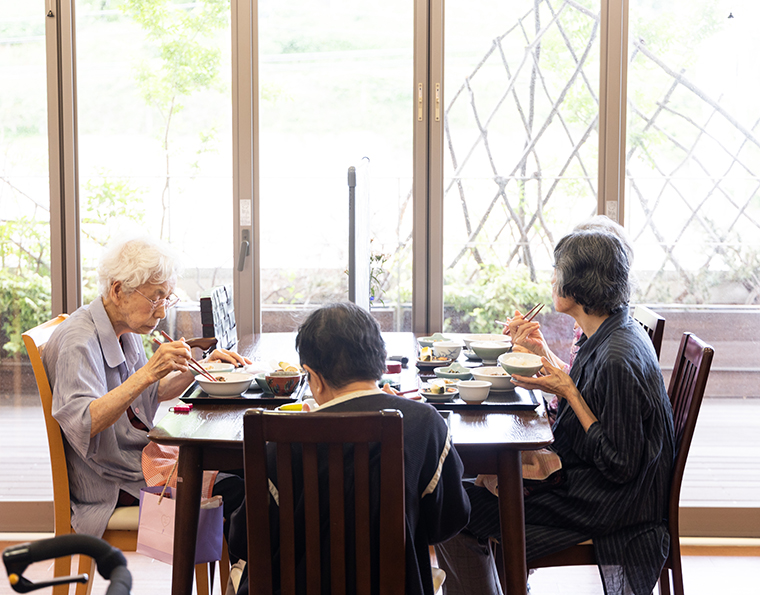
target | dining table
[{"x": 210, "y": 436}]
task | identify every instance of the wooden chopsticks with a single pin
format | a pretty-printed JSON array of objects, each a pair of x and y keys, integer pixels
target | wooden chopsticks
[
  {"x": 531, "y": 314},
  {"x": 193, "y": 363}
]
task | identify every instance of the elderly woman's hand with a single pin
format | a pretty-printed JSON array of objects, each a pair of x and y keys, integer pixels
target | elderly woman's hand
[
  {"x": 555, "y": 381},
  {"x": 551, "y": 380},
  {"x": 224, "y": 355},
  {"x": 527, "y": 335},
  {"x": 168, "y": 357}
]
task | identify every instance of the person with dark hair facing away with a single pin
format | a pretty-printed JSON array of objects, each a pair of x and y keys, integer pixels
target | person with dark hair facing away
[
  {"x": 342, "y": 350},
  {"x": 613, "y": 434}
]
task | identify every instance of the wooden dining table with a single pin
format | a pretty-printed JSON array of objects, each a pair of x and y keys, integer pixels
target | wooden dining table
[{"x": 211, "y": 437}]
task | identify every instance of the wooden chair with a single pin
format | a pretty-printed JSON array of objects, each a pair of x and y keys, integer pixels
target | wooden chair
[
  {"x": 687, "y": 387},
  {"x": 122, "y": 527},
  {"x": 321, "y": 439},
  {"x": 653, "y": 324}
]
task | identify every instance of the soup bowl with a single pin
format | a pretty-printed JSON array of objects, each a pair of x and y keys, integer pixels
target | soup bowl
[
  {"x": 522, "y": 364},
  {"x": 496, "y": 375},
  {"x": 448, "y": 349},
  {"x": 474, "y": 391},
  {"x": 485, "y": 337},
  {"x": 488, "y": 351},
  {"x": 226, "y": 385},
  {"x": 282, "y": 384}
]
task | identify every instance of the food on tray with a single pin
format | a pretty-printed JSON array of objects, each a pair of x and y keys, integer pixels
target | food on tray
[
  {"x": 440, "y": 387},
  {"x": 287, "y": 367},
  {"x": 426, "y": 355}
]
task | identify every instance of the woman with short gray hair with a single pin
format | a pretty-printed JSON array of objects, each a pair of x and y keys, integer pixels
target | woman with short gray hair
[{"x": 613, "y": 435}]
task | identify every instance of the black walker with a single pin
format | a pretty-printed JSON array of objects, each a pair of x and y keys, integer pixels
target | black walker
[{"x": 112, "y": 565}]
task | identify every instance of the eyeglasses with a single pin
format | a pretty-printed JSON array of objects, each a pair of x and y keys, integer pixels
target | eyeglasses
[{"x": 166, "y": 303}]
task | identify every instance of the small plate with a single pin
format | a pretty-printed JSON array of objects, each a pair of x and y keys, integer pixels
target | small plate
[
  {"x": 433, "y": 364},
  {"x": 451, "y": 393},
  {"x": 471, "y": 355}
]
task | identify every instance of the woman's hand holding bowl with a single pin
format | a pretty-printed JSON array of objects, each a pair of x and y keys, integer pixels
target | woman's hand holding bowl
[{"x": 551, "y": 380}]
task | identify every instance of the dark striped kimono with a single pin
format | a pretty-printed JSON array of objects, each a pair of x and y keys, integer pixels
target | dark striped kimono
[{"x": 617, "y": 473}]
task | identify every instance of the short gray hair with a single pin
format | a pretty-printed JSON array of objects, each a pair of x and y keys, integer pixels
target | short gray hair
[
  {"x": 135, "y": 261},
  {"x": 592, "y": 268},
  {"x": 604, "y": 223}
]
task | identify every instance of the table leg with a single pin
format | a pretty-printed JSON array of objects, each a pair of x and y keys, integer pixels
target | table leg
[
  {"x": 189, "y": 482},
  {"x": 512, "y": 518}
]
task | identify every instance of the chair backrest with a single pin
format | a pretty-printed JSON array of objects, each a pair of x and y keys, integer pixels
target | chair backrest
[
  {"x": 653, "y": 324},
  {"x": 34, "y": 341},
  {"x": 322, "y": 440},
  {"x": 687, "y": 387}
]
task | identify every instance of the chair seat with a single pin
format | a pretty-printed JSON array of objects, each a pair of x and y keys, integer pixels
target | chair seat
[{"x": 124, "y": 518}]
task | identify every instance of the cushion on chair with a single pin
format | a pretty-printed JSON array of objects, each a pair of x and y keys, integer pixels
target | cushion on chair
[{"x": 124, "y": 518}]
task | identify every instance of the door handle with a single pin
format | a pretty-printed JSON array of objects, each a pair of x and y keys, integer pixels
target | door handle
[{"x": 245, "y": 249}]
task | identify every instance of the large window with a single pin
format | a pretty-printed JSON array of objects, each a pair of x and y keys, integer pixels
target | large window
[
  {"x": 335, "y": 92},
  {"x": 521, "y": 149},
  {"x": 693, "y": 154},
  {"x": 24, "y": 245},
  {"x": 154, "y": 132}
]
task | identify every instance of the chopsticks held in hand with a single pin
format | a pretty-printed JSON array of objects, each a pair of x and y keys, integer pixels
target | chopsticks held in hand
[
  {"x": 193, "y": 363},
  {"x": 531, "y": 313},
  {"x": 528, "y": 316}
]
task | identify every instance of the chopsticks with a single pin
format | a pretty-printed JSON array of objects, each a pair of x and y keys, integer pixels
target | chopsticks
[
  {"x": 406, "y": 392},
  {"x": 193, "y": 363},
  {"x": 531, "y": 314},
  {"x": 528, "y": 316}
]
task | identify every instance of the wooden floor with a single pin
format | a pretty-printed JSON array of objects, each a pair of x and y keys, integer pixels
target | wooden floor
[{"x": 708, "y": 574}]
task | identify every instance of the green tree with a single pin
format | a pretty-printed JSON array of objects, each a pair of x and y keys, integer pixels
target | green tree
[{"x": 185, "y": 60}]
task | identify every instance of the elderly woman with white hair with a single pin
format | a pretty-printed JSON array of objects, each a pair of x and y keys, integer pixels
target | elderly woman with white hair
[{"x": 105, "y": 390}]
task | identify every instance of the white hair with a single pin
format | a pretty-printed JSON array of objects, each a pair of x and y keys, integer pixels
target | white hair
[{"x": 135, "y": 261}]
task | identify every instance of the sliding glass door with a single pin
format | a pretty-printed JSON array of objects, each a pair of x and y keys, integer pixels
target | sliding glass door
[
  {"x": 25, "y": 267},
  {"x": 155, "y": 135},
  {"x": 335, "y": 82},
  {"x": 521, "y": 116}
]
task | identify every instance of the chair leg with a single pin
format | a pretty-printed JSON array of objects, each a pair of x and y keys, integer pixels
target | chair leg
[
  {"x": 212, "y": 576},
  {"x": 61, "y": 567},
  {"x": 677, "y": 576},
  {"x": 224, "y": 567},
  {"x": 201, "y": 579},
  {"x": 86, "y": 565},
  {"x": 664, "y": 581}
]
